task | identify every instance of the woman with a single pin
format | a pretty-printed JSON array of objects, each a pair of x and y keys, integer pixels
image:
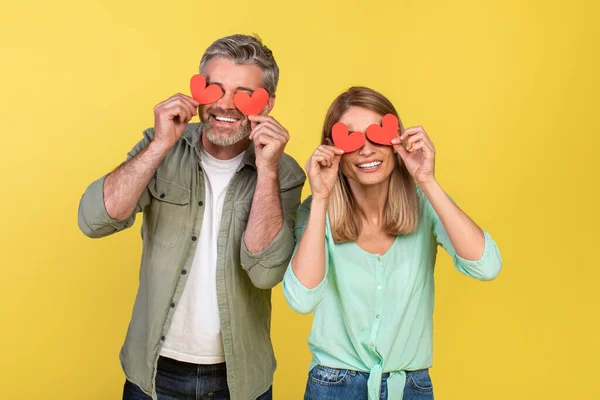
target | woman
[{"x": 367, "y": 240}]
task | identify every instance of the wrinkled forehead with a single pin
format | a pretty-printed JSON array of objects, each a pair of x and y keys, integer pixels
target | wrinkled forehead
[{"x": 231, "y": 76}]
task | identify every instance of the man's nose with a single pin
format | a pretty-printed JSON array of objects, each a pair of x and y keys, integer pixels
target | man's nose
[{"x": 226, "y": 102}]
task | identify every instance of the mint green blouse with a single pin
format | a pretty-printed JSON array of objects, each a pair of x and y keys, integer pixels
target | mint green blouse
[{"x": 374, "y": 312}]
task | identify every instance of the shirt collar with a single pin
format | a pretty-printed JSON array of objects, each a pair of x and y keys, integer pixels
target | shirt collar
[{"x": 193, "y": 132}]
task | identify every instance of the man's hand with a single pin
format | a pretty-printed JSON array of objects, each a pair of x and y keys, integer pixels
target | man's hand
[
  {"x": 269, "y": 139},
  {"x": 171, "y": 117}
]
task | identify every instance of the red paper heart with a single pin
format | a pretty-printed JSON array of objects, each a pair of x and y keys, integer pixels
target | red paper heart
[
  {"x": 386, "y": 132},
  {"x": 347, "y": 142},
  {"x": 251, "y": 105},
  {"x": 203, "y": 94}
]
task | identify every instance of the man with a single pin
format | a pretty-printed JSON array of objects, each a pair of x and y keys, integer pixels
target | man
[{"x": 219, "y": 200}]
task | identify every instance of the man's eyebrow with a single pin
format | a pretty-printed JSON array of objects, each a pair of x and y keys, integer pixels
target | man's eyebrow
[
  {"x": 209, "y": 82},
  {"x": 244, "y": 88}
]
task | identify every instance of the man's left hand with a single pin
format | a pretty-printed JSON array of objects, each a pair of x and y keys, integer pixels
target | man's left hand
[{"x": 269, "y": 139}]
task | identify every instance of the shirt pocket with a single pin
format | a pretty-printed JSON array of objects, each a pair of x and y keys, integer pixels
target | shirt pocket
[{"x": 169, "y": 206}]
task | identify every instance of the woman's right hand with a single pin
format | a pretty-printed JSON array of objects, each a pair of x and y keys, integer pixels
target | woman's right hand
[{"x": 322, "y": 170}]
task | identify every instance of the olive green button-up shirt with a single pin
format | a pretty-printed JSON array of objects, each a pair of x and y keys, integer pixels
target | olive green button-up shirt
[{"x": 172, "y": 206}]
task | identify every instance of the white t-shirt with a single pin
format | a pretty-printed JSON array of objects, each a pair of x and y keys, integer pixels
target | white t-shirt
[{"x": 195, "y": 332}]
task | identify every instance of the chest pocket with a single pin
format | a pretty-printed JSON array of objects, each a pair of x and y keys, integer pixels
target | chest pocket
[{"x": 168, "y": 210}]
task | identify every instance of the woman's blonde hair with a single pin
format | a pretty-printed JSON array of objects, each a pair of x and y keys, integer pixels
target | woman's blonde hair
[{"x": 401, "y": 212}]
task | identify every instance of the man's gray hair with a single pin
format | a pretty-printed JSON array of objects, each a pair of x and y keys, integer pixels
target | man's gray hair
[{"x": 244, "y": 49}]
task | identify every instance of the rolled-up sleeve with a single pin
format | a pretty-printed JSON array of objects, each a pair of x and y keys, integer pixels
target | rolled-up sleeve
[
  {"x": 486, "y": 268},
  {"x": 266, "y": 267},
  {"x": 93, "y": 219},
  {"x": 300, "y": 298}
]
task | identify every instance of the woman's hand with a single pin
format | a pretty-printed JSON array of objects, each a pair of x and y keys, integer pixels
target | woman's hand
[
  {"x": 322, "y": 170},
  {"x": 418, "y": 154}
]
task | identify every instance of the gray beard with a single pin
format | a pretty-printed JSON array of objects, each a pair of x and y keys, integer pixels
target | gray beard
[{"x": 220, "y": 138}]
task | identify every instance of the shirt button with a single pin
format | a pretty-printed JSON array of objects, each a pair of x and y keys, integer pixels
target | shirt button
[
  {"x": 172, "y": 305},
  {"x": 194, "y": 238},
  {"x": 372, "y": 346},
  {"x": 200, "y": 203},
  {"x": 378, "y": 259},
  {"x": 162, "y": 195},
  {"x": 379, "y": 287},
  {"x": 162, "y": 338},
  {"x": 183, "y": 272},
  {"x": 377, "y": 316}
]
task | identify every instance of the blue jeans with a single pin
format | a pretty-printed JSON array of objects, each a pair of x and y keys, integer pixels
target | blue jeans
[
  {"x": 176, "y": 380},
  {"x": 326, "y": 383}
]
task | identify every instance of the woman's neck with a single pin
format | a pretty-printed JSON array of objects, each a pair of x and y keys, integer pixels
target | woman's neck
[{"x": 370, "y": 200}]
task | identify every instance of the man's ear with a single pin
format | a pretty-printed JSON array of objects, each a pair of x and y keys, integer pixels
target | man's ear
[{"x": 270, "y": 104}]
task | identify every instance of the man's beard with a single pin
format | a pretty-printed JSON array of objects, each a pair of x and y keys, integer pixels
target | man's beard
[{"x": 224, "y": 137}]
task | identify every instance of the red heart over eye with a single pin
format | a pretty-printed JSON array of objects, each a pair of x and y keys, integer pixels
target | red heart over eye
[
  {"x": 203, "y": 94},
  {"x": 343, "y": 140},
  {"x": 386, "y": 132},
  {"x": 251, "y": 105}
]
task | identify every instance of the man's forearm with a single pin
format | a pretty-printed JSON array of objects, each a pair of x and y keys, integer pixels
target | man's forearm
[
  {"x": 266, "y": 216},
  {"x": 124, "y": 186}
]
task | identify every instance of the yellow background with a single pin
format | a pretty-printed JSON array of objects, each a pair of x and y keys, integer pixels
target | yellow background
[{"x": 507, "y": 89}]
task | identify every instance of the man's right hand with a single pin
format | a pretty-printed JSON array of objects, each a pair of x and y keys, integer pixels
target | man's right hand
[{"x": 171, "y": 117}]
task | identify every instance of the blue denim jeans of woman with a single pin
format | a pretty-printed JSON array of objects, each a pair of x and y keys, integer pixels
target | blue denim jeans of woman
[{"x": 326, "y": 383}]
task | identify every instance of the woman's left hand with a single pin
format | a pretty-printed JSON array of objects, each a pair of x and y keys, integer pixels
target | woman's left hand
[{"x": 418, "y": 153}]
